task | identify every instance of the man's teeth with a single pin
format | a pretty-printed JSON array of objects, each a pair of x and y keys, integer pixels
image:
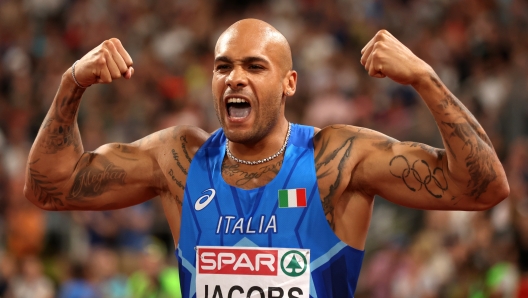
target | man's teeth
[{"x": 235, "y": 100}]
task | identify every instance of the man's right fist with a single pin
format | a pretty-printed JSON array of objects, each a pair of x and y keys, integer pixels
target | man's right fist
[{"x": 105, "y": 63}]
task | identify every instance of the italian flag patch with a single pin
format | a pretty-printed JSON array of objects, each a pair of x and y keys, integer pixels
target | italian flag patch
[{"x": 290, "y": 198}]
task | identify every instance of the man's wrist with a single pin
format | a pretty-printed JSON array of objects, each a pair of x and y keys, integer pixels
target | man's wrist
[
  {"x": 75, "y": 78},
  {"x": 68, "y": 81},
  {"x": 426, "y": 80}
]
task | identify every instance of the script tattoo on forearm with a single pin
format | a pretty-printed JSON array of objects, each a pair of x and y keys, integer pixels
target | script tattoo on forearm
[
  {"x": 433, "y": 180},
  {"x": 326, "y": 157},
  {"x": 268, "y": 171},
  {"x": 46, "y": 194},
  {"x": 96, "y": 177}
]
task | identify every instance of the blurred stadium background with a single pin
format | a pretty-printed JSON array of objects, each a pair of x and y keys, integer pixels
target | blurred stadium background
[{"x": 478, "y": 47}]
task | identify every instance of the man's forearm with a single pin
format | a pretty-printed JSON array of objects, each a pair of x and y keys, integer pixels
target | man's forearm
[
  {"x": 472, "y": 161},
  {"x": 59, "y": 130},
  {"x": 57, "y": 147}
]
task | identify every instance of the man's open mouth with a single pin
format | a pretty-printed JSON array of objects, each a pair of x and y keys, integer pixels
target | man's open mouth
[{"x": 238, "y": 108}]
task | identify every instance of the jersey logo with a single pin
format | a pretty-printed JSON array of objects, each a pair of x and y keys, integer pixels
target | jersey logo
[
  {"x": 290, "y": 264},
  {"x": 204, "y": 200}
]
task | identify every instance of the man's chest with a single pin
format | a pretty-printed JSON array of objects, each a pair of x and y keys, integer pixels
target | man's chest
[{"x": 250, "y": 176}]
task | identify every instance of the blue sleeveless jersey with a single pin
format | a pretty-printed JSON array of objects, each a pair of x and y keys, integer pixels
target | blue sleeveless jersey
[{"x": 213, "y": 209}]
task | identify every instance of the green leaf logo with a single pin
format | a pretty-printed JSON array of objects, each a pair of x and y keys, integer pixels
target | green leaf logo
[{"x": 294, "y": 266}]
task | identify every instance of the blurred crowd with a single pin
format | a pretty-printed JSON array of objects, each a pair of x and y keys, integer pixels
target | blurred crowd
[{"x": 479, "y": 48}]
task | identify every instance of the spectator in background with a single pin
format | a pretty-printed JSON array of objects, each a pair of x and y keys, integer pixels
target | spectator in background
[
  {"x": 32, "y": 282},
  {"x": 7, "y": 274},
  {"x": 517, "y": 171},
  {"x": 154, "y": 279},
  {"x": 106, "y": 276},
  {"x": 78, "y": 283}
]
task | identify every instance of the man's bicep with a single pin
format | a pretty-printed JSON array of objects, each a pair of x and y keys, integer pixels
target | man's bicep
[
  {"x": 111, "y": 177},
  {"x": 410, "y": 174}
]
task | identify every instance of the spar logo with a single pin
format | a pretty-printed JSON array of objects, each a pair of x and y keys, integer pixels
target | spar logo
[
  {"x": 245, "y": 261},
  {"x": 261, "y": 272},
  {"x": 293, "y": 263}
]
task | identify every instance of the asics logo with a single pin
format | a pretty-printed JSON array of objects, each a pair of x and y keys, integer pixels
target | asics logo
[{"x": 204, "y": 200}]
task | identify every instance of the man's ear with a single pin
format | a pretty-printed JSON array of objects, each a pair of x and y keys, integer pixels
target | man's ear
[{"x": 290, "y": 83}]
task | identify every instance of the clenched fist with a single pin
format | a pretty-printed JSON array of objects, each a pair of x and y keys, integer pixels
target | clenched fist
[
  {"x": 105, "y": 63},
  {"x": 385, "y": 56}
]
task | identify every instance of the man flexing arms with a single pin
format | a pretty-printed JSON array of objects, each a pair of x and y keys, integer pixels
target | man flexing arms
[{"x": 236, "y": 187}]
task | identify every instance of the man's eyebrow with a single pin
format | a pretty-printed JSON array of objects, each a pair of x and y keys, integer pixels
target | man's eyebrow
[
  {"x": 246, "y": 60},
  {"x": 253, "y": 59},
  {"x": 222, "y": 59}
]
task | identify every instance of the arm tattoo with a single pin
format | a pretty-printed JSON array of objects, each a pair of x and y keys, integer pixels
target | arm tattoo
[
  {"x": 47, "y": 123},
  {"x": 419, "y": 168},
  {"x": 450, "y": 100},
  {"x": 434, "y": 181},
  {"x": 322, "y": 159},
  {"x": 385, "y": 144},
  {"x": 178, "y": 200},
  {"x": 42, "y": 189},
  {"x": 448, "y": 147},
  {"x": 96, "y": 177},
  {"x": 424, "y": 147},
  {"x": 183, "y": 140},
  {"x": 178, "y": 182},
  {"x": 479, "y": 161},
  {"x": 62, "y": 132},
  {"x": 245, "y": 177},
  {"x": 66, "y": 109},
  {"x": 123, "y": 149},
  {"x": 388, "y": 143},
  {"x": 59, "y": 138},
  {"x": 176, "y": 158}
]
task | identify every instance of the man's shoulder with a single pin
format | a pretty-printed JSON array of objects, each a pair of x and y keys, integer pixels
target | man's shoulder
[
  {"x": 191, "y": 138},
  {"x": 345, "y": 131},
  {"x": 335, "y": 136},
  {"x": 189, "y": 134}
]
